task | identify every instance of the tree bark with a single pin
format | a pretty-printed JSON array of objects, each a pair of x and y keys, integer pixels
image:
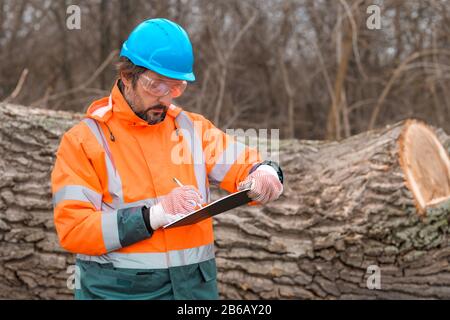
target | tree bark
[
  {"x": 346, "y": 206},
  {"x": 32, "y": 264}
]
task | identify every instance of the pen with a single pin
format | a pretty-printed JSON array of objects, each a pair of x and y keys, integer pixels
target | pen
[
  {"x": 177, "y": 182},
  {"x": 181, "y": 185}
]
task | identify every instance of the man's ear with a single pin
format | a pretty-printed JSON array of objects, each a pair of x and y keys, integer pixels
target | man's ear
[{"x": 125, "y": 80}]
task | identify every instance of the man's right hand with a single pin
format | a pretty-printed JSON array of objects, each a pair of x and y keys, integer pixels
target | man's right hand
[{"x": 179, "y": 202}]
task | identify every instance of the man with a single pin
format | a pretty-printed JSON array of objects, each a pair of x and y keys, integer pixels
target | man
[{"x": 113, "y": 186}]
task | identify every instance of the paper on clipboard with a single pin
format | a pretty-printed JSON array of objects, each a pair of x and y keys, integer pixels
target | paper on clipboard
[{"x": 226, "y": 203}]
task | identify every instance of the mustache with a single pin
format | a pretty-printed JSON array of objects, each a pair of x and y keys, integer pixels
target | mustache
[{"x": 157, "y": 107}]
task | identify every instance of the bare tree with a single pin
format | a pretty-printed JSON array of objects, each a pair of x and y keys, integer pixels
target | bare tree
[{"x": 311, "y": 68}]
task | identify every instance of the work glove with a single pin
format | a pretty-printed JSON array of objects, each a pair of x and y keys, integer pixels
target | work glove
[
  {"x": 264, "y": 184},
  {"x": 179, "y": 202}
]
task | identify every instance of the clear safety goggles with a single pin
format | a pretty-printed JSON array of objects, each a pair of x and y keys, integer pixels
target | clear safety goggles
[{"x": 160, "y": 88}]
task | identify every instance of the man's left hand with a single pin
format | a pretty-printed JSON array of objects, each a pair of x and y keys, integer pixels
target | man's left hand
[{"x": 264, "y": 186}]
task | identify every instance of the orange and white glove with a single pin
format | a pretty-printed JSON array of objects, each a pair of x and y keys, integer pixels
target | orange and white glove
[
  {"x": 264, "y": 184},
  {"x": 179, "y": 202}
]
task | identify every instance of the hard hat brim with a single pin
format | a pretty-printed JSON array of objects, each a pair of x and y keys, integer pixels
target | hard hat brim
[{"x": 190, "y": 77}]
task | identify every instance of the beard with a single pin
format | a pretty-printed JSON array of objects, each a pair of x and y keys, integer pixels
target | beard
[{"x": 152, "y": 115}]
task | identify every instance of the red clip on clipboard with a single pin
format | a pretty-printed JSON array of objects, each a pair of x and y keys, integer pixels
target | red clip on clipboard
[{"x": 226, "y": 203}]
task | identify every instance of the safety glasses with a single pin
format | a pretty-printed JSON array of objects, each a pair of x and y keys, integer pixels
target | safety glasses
[{"x": 160, "y": 88}]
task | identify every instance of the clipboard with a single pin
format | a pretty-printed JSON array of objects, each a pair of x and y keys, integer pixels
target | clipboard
[{"x": 226, "y": 203}]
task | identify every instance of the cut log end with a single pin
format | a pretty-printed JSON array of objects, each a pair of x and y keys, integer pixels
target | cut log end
[{"x": 426, "y": 165}]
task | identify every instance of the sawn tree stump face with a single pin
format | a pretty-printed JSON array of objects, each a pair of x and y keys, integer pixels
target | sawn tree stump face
[
  {"x": 347, "y": 205},
  {"x": 425, "y": 164}
]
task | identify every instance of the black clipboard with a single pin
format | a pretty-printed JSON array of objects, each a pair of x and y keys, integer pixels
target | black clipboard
[{"x": 226, "y": 203}]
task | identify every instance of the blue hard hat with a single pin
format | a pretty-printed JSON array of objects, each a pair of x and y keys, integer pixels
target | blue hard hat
[{"x": 162, "y": 46}]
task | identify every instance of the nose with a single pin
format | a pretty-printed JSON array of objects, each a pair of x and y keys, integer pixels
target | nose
[{"x": 166, "y": 100}]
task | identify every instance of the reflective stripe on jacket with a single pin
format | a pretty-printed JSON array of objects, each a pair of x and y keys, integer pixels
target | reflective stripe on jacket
[{"x": 112, "y": 163}]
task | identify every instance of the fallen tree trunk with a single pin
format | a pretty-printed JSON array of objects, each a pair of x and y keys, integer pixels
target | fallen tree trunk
[
  {"x": 375, "y": 199},
  {"x": 32, "y": 264}
]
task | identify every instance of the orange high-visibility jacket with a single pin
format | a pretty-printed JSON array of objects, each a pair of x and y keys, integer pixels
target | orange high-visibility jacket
[{"x": 112, "y": 163}]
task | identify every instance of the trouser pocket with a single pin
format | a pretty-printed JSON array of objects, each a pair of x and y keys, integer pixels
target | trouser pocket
[{"x": 195, "y": 281}]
